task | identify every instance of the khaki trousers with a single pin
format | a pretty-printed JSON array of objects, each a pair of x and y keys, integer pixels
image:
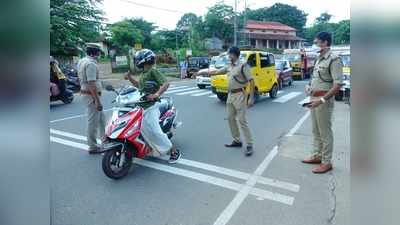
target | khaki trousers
[
  {"x": 236, "y": 106},
  {"x": 321, "y": 118},
  {"x": 96, "y": 122}
]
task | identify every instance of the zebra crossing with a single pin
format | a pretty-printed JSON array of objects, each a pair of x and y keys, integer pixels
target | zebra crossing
[{"x": 194, "y": 91}]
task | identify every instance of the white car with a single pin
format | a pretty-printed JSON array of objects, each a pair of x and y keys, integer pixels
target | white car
[
  {"x": 203, "y": 82},
  {"x": 203, "y": 78}
]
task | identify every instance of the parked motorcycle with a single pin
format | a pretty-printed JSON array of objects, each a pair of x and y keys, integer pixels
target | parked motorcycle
[
  {"x": 124, "y": 131},
  {"x": 64, "y": 94}
]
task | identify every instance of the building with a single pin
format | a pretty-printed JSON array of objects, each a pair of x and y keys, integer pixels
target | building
[{"x": 260, "y": 34}]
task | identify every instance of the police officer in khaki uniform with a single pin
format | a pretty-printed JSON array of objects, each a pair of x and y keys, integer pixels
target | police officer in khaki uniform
[
  {"x": 88, "y": 73},
  {"x": 325, "y": 83},
  {"x": 239, "y": 76}
]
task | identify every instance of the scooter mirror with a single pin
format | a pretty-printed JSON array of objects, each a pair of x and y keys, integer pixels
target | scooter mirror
[{"x": 110, "y": 88}]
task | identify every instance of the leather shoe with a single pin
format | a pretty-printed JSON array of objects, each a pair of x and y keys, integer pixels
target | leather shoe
[
  {"x": 234, "y": 144},
  {"x": 249, "y": 150},
  {"x": 323, "y": 168},
  {"x": 312, "y": 160}
]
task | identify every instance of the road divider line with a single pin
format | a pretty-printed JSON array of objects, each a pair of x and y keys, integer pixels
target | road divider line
[
  {"x": 203, "y": 93},
  {"x": 234, "y": 205},
  {"x": 190, "y": 92},
  {"x": 287, "y": 97},
  {"x": 298, "y": 124},
  {"x": 204, "y": 166},
  {"x": 176, "y": 91},
  {"x": 190, "y": 174}
]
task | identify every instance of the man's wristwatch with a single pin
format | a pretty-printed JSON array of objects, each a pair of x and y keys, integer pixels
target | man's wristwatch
[{"x": 322, "y": 100}]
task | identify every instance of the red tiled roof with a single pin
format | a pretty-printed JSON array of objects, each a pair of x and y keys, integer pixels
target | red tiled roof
[
  {"x": 252, "y": 24},
  {"x": 272, "y": 36}
]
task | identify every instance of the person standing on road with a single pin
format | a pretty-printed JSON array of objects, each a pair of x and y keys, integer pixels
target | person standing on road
[
  {"x": 325, "y": 83},
  {"x": 239, "y": 76},
  {"x": 88, "y": 73}
]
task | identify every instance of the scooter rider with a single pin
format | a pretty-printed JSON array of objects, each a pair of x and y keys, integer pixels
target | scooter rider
[{"x": 144, "y": 60}]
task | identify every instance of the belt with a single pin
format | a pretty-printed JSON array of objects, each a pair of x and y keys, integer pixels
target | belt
[
  {"x": 85, "y": 92},
  {"x": 233, "y": 91},
  {"x": 318, "y": 93}
]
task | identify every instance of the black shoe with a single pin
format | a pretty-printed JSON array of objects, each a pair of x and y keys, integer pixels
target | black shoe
[
  {"x": 234, "y": 144},
  {"x": 249, "y": 150},
  {"x": 95, "y": 150},
  {"x": 174, "y": 158}
]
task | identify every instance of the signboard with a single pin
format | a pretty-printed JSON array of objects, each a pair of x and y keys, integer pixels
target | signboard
[
  {"x": 138, "y": 46},
  {"x": 121, "y": 60},
  {"x": 189, "y": 52}
]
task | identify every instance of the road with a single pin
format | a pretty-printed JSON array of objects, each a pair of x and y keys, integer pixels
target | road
[{"x": 210, "y": 185}]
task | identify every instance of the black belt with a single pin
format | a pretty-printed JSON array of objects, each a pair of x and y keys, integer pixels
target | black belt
[{"x": 233, "y": 91}]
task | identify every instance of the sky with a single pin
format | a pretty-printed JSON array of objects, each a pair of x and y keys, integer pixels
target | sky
[{"x": 116, "y": 10}]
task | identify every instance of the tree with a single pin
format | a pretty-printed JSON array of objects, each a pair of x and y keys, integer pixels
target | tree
[
  {"x": 125, "y": 34},
  {"x": 342, "y": 33},
  {"x": 187, "y": 20},
  {"x": 73, "y": 23},
  {"x": 323, "y": 18},
  {"x": 218, "y": 22}
]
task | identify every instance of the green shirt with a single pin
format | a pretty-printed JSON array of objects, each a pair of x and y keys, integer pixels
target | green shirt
[{"x": 151, "y": 75}]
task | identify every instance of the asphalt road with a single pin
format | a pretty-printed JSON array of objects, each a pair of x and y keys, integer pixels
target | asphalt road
[{"x": 210, "y": 185}]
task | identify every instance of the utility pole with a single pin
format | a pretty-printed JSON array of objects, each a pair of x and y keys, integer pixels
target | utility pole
[{"x": 235, "y": 26}]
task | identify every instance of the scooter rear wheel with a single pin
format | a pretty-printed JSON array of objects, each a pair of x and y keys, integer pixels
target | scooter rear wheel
[{"x": 117, "y": 163}]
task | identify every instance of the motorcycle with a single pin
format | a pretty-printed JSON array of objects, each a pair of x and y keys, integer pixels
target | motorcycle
[
  {"x": 65, "y": 95},
  {"x": 124, "y": 131},
  {"x": 73, "y": 82}
]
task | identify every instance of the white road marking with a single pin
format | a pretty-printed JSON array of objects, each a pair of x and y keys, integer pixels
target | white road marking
[
  {"x": 280, "y": 92},
  {"x": 176, "y": 87},
  {"x": 287, "y": 97},
  {"x": 233, "y": 206},
  {"x": 190, "y": 92},
  {"x": 199, "y": 165},
  {"x": 298, "y": 124},
  {"x": 308, "y": 99},
  {"x": 175, "y": 91},
  {"x": 74, "y": 117},
  {"x": 193, "y": 175},
  {"x": 203, "y": 93},
  {"x": 213, "y": 96}
]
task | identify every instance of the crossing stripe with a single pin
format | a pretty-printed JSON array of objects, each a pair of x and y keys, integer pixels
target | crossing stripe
[
  {"x": 175, "y": 91},
  {"x": 186, "y": 162},
  {"x": 212, "y": 96},
  {"x": 308, "y": 99},
  {"x": 189, "y": 92},
  {"x": 176, "y": 87},
  {"x": 201, "y": 94},
  {"x": 287, "y": 97}
]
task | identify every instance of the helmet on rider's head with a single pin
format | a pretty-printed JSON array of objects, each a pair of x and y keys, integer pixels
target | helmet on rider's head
[
  {"x": 144, "y": 56},
  {"x": 93, "y": 49}
]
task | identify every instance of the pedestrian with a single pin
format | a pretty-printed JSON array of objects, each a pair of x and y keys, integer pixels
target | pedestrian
[
  {"x": 239, "y": 75},
  {"x": 184, "y": 66},
  {"x": 325, "y": 83},
  {"x": 88, "y": 73}
]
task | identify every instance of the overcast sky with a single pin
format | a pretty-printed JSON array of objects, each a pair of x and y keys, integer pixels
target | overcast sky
[{"x": 118, "y": 9}]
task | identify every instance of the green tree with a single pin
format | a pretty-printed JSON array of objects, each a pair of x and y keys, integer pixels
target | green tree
[
  {"x": 323, "y": 18},
  {"x": 342, "y": 33},
  {"x": 125, "y": 34},
  {"x": 218, "y": 22},
  {"x": 72, "y": 23}
]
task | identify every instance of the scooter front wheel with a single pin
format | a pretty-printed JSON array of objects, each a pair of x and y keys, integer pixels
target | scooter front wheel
[{"x": 117, "y": 163}]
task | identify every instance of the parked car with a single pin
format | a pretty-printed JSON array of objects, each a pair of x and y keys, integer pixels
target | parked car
[
  {"x": 284, "y": 73},
  {"x": 302, "y": 62},
  {"x": 196, "y": 64},
  {"x": 203, "y": 77},
  {"x": 262, "y": 66}
]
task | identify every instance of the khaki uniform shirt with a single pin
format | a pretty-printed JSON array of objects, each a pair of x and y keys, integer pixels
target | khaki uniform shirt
[
  {"x": 322, "y": 79},
  {"x": 88, "y": 71},
  {"x": 234, "y": 71}
]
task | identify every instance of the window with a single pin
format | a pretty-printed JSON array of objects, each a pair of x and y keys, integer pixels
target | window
[
  {"x": 252, "y": 60},
  {"x": 267, "y": 60}
]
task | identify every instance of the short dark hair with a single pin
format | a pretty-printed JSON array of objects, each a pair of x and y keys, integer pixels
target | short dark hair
[
  {"x": 92, "y": 51},
  {"x": 325, "y": 36},
  {"x": 234, "y": 50}
]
